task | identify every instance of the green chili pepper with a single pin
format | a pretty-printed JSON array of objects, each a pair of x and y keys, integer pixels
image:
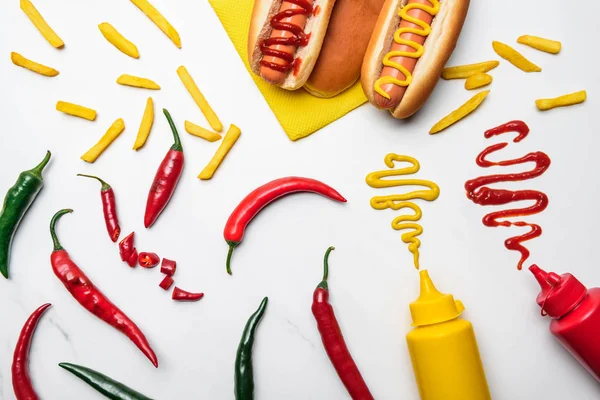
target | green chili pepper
[
  {"x": 16, "y": 203},
  {"x": 244, "y": 376},
  {"x": 109, "y": 387}
]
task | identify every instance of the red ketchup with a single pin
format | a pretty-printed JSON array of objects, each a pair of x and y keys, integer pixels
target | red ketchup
[
  {"x": 575, "y": 313},
  {"x": 480, "y": 193}
]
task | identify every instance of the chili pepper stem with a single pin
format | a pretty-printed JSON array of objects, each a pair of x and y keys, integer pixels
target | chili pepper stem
[
  {"x": 177, "y": 145},
  {"x": 55, "y": 218},
  {"x": 37, "y": 170},
  {"x": 323, "y": 284},
  {"x": 232, "y": 245},
  {"x": 105, "y": 186}
]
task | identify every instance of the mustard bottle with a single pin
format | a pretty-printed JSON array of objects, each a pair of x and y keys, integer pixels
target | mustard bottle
[{"x": 443, "y": 348}]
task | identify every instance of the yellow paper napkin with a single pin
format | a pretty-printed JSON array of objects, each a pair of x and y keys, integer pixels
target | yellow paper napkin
[{"x": 298, "y": 112}]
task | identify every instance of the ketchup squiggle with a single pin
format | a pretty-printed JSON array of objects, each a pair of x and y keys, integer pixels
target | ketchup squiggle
[
  {"x": 298, "y": 37},
  {"x": 479, "y": 193}
]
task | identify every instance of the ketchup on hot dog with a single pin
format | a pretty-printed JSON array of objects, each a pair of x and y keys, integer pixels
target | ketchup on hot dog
[{"x": 288, "y": 34}]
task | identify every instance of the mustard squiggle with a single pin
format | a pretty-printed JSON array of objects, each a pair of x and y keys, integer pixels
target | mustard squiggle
[
  {"x": 399, "y": 201},
  {"x": 423, "y": 30}
]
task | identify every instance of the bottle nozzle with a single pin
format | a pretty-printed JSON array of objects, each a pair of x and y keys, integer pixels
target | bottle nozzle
[
  {"x": 560, "y": 293},
  {"x": 542, "y": 277},
  {"x": 433, "y": 307},
  {"x": 427, "y": 288}
]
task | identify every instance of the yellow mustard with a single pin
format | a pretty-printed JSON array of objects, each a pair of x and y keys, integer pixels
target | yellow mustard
[
  {"x": 423, "y": 29},
  {"x": 399, "y": 201},
  {"x": 443, "y": 348}
]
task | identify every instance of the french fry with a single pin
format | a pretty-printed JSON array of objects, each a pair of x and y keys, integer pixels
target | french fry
[
  {"x": 76, "y": 110},
  {"x": 232, "y": 135},
  {"x": 477, "y": 81},
  {"x": 468, "y": 70},
  {"x": 158, "y": 20},
  {"x": 561, "y": 101},
  {"x": 199, "y": 131},
  {"x": 41, "y": 69},
  {"x": 514, "y": 57},
  {"x": 116, "y": 39},
  {"x": 460, "y": 112},
  {"x": 38, "y": 21},
  {"x": 198, "y": 97},
  {"x": 538, "y": 43},
  {"x": 136, "y": 81},
  {"x": 145, "y": 125},
  {"x": 111, "y": 134}
]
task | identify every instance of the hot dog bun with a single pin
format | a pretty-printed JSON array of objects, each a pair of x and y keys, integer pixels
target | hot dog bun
[
  {"x": 260, "y": 29},
  {"x": 439, "y": 45},
  {"x": 339, "y": 63}
]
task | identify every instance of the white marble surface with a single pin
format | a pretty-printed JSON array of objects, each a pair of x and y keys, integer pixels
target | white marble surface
[{"x": 372, "y": 280}]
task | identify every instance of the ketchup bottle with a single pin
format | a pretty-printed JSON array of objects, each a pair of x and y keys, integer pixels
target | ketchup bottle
[{"x": 575, "y": 313}]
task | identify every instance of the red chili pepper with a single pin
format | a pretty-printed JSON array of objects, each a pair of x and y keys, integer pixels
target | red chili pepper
[
  {"x": 262, "y": 197},
  {"x": 133, "y": 259},
  {"x": 333, "y": 340},
  {"x": 90, "y": 297},
  {"x": 126, "y": 247},
  {"x": 168, "y": 267},
  {"x": 149, "y": 260},
  {"x": 182, "y": 295},
  {"x": 166, "y": 178},
  {"x": 109, "y": 206},
  {"x": 166, "y": 282},
  {"x": 20, "y": 367}
]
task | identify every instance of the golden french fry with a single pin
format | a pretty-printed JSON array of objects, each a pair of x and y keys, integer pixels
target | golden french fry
[
  {"x": 111, "y": 134},
  {"x": 514, "y": 57},
  {"x": 232, "y": 135},
  {"x": 199, "y": 131},
  {"x": 136, "y": 81},
  {"x": 477, "y": 81},
  {"x": 561, "y": 101},
  {"x": 468, "y": 70},
  {"x": 198, "y": 97},
  {"x": 460, "y": 112},
  {"x": 76, "y": 110},
  {"x": 116, "y": 39},
  {"x": 145, "y": 125},
  {"x": 41, "y": 25},
  {"x": 538, "y": 43},
  {"x": 158, "y": 20},
  {"x": 41, "y": 69}
]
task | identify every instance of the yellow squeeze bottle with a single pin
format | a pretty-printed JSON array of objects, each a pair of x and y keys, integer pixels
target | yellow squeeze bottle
[{"x": 443, "y": 348}]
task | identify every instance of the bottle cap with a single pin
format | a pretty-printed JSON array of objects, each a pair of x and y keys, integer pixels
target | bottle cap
[
  {"x": 560, "y": 293},
  {"x": 433, "y": 307}
]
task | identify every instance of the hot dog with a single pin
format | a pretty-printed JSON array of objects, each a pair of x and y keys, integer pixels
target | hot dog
[
  {"x": 315, "y": 44},
  {"x": 411, "y": 43}
]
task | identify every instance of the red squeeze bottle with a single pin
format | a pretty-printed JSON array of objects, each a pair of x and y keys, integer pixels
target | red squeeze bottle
[{"x": 575, "y": 313}]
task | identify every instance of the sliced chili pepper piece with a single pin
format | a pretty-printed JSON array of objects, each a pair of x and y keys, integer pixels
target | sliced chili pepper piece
[
  {"x": 183, "y": 295},
  {"x": 17, "y": 201},
  {"x": 90, "y": 297},
  {"x": 333, "y": 340},
  {"x": 133, "y": 259},
  {"x": 126, "y": 247},
  {"x": 166, "y": 178},
  {"x": 109, "y": 208},
  {"x": 149, "y": 260},
  {"x": 261, "y": 197},
  {"x": 21, "y": 381},
  {"x": 103, "y": 384},
  {"x": 166, "y": 282},
  {"x": 168, "y": 267},
  {"x": 244, "y": 374}
]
